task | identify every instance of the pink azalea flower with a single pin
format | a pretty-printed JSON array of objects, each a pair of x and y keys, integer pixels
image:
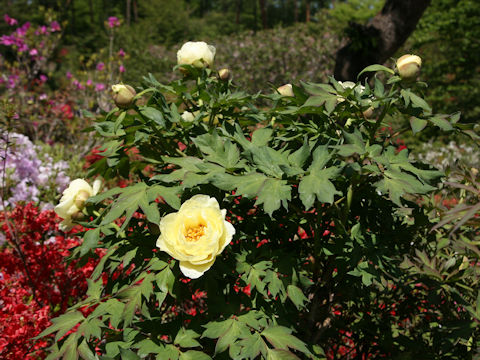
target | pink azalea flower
[
  {"x": 113, "y": 22},
  {"x": 55, "y": 26},
  {"x": 33, "y": 52},
  {"x": 100, "y": 66},
  {"x": 69, "y": 75},
  {"x": 121, "y": 53},
  {"x": 89, "y": 82},
  {"x": 22, "y": 31},
  {"x": 43, "y": 78},
  {"x": 41, "y": 30},
  {"x": 10, "y": 21},
  {"x": 121, "y": 68},
  {"x": 100, "y": 87}
]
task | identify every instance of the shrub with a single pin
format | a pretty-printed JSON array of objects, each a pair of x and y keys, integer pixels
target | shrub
[{"x": 331, "y": 256}]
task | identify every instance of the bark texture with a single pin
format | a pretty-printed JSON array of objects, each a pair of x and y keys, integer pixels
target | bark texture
[{"x": 377, "y": 41}]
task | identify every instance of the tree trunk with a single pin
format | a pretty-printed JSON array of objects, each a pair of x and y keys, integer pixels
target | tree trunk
[
  {"x": 135, "y": 11},
  {"x": 307, "y": 11},
  {"x": 128, "y": 11},
  {"x": 295, "y": 11},
  {"x": 239, "y": 11},
  {"x": 377, "y": 41},
  {"x": 263, "y": 12}
]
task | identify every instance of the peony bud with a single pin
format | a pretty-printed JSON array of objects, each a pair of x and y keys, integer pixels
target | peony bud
[
  {"x": 409, "y": 67},
  {"x": 368, "y": 113},
  {"x": 286, "y": 90},
  {"x": 198, "y": 54},
  {"x": 224, "y": 74},
  {"x": 123, "y": 95},
  {"x": 187, "y": 116}
]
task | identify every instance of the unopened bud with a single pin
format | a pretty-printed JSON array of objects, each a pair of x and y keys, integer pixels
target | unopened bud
[
  {"x": 368, "y": 113},
  {"x": 80, "y": 199},
  {"x": 224, "y": 74},
  {"x": 123, "y": 95},
  {"x": 474, "y": 171},
  {"x": 78, "y": 216},
  {"x": 409, "y": 67},
  {"x": 286, "y": 90}
]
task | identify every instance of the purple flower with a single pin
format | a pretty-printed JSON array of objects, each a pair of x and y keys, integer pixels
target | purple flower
[
  {"x": 121, "y": 68},
  {"x": 100, "y": 87},
  {"x": 89, "y": 82},
  {"x": 113, "y": 22},
  {"x": 100, "y": 66},
  {"x": 33, "y": 52},
  {"x": 121, "y": 53},
  {"x": 42, "y": 30},
  {"x": 12, "y": 81},
  {"x": 55, "y": 26},
  {"x": 7, "y": 40},
  {"x": 43, "y": 78},
  {"x": 22, "y": 31},
  {"x": 10, "y": 21},
  {"x": 68, "y": 75}
]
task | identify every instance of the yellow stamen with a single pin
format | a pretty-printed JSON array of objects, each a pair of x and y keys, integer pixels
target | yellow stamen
[{"x": 195, "y": 233}]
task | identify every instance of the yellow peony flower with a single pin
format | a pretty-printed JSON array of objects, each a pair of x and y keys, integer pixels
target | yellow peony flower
[
  {"x": 196, "y": 234},
  {"x": 198, "y": 54},
  {"x": 73, "y": 201}
]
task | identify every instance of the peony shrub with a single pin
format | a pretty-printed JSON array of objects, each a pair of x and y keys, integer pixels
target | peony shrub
[{"x": 293, "y": 230}]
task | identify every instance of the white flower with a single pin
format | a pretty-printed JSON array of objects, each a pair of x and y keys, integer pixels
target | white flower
[
  {"x": 286, "y": 90},
  {"x": 73, "y": 201},
  {"x": 198, "y": 54},
  {"x": 196, "y": 234},
  {"x": 187, "y": 116}
]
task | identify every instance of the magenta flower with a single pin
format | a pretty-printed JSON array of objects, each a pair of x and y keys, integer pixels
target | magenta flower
[
  {"x": 22, "y": 31},
  {"x": 89, "y": 82},
  {"x": 113, "y": 22},
  {"x": 43, "y": 78},
  {"x": 33, "y": 52},
  {"x": 100, "y": 87},
  {"x": 10, "y": 21},
  {"x": 12, "y": 81},
  {"x": 7, "y": 40},
  {"x": 69, "y": 75},
  {"x": 42, "y": 30},
  {"x": 55, "y": 26},
  {"x": 121, "y": 53},
  {"x": 100, "y": 66},
  {"x": 121, "y": 68}
]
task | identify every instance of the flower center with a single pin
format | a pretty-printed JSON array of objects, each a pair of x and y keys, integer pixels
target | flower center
[{"x": 195, "y": 233}]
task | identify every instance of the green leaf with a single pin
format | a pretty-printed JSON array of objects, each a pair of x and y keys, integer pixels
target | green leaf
[
  {"x": 375, "y": 68},
  {"x": 169, "y": 194},
  {"x": 441, "y": 122},
  {"x": 299, "y": 157},
  {"x": 276, "y": 354},
  {"x": 147, "y": 346},
  {"x": 317, "y": 183},
  {"x": 417, "y": 124},
  {"x": 153, "y": 114},
  {"x": 273, "y": 194},
  {"x": 186, "y": 338},
  {"x": 219, "y": 151},
  {"x": 127, "y": 354},
  {"x": 90, "y": 240},
  {"x": 253, "y": 346},
  {"x": 296, "y": 295},
  {"x": 249, "y": 185},
  {"x": 194, "y": 355},
  {"x": 261, "y": 137},
  {"x": 281, "y": 338},
  {"x": 62, "y": 324}
]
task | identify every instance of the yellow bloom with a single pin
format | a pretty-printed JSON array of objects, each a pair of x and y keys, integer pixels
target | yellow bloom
[
  {"x": 73, "y": 201},
  {"x": 198, "y": 54},
  {"x": 196, "y": 234},
  {"x": 286, "y": 90}
]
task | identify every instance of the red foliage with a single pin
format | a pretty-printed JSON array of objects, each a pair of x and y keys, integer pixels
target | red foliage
[{"x": 28, "y": 302}]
